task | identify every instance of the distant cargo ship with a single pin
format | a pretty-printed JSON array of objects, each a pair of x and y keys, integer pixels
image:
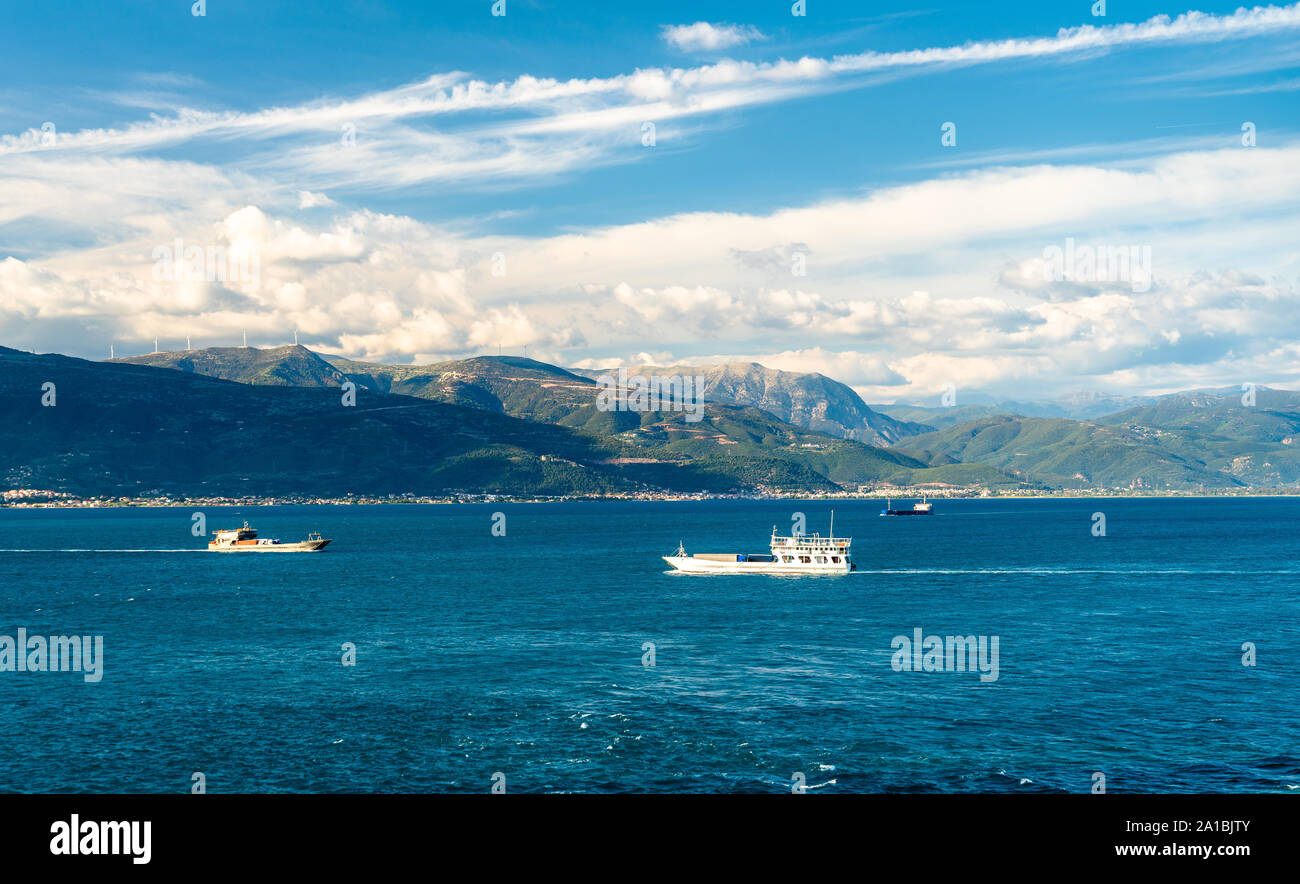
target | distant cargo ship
[
  {"x": 246, "y": 540},
  {"x": 918, "y": 509},
  {"x": 800, "y": 554}
]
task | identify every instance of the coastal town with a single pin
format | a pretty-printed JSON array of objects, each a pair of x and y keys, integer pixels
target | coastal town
[{"x": 33, "y": 498}]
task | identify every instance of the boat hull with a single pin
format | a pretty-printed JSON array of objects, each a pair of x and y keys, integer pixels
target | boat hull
[
  {"x": 693, "y": 565},
  {"x": 908, "y": 513},
  {"x": 301, "y": 546}
]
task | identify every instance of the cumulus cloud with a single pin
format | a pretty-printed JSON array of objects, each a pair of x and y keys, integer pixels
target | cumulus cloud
[
  {"x": 705, "y": 36},
  {"x": 789, "y": 258},
  {"x": 309, "y": 200},
  {"x": 382, "y": 286},
  {"x": 1208, "y": 326},
  {"x": 938, "y": 278}
]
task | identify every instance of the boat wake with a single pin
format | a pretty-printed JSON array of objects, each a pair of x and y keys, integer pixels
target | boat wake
[
  {"x": 101, "y": 550},
  {"x": 1047, "y": 572},
  {"x": 1068, "y": 571}
]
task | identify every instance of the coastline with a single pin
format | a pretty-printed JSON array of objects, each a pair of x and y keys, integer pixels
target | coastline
[{"x": 479, "y": 499}]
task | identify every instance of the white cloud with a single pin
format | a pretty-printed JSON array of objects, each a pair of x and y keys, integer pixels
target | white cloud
[
  {"x": 544, "y": 126},
  {"x": 389, "y": 287},
  {"x": 309, "y": 200},
  {"x": 705, "y": 36}
]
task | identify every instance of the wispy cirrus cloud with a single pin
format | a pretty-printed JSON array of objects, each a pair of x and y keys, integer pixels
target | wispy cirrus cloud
[
  {"x": 582, "y": 118},
  {"x": 908, "y": 283},
  {"x": 1290, "y": 85}
]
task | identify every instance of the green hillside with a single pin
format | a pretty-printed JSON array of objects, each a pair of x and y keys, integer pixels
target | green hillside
[
  {"x": 131, "y": 429},
  {"x": 928, "y": 419},
  {"x": 291, "y": 366},
  {"x": 1186, "y": 441},
  {"x": 1069, "y": 454},
  {"x": 1254, "y": 444},
  {"x": 512, "y": 385},
  {"x": 127, "y": 429}
]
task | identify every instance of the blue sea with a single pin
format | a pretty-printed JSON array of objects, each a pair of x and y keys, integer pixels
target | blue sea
[{"x": 523, "y": 657}]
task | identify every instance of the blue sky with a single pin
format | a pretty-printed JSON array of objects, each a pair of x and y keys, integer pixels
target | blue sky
[{"x": 521, "y": 138}]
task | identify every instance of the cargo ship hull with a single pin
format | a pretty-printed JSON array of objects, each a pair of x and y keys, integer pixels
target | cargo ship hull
[
  {"x": 925, "y": 508},
  {"x": 301, "y": 546}
]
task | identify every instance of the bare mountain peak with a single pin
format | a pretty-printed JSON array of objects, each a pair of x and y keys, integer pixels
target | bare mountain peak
[{"x": 805, "y": 399}]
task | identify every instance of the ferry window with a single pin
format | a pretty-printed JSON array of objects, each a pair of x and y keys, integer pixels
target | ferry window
[
  {"x": 805, "y": 559},
  {"x": 787, "y": 558},
  {"x": 835, "y": 559}
]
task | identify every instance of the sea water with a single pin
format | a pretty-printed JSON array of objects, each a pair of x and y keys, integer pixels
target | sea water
[{"x": 425, "y": 652}]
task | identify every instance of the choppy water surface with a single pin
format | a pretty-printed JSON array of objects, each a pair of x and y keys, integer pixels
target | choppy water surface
[{"x": 523, "y": 654}]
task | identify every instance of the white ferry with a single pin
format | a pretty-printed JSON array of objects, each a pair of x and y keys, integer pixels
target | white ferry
[
  {"x": 246, "y": 540},
  {"x": 800, "y": 554}
]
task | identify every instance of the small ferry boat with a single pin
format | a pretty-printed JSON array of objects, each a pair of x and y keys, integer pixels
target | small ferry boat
[
  {"x": 799, "y": 554},
  {"x": 246, "y": 540},
  {"x": 918, "y": 509}
]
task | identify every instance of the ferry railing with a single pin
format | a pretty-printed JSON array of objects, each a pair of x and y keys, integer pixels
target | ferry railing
[{"x": 809, "y": 540}]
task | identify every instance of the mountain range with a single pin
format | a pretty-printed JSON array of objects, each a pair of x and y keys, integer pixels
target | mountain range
[
  {"x": 1213, "y": 439},
  {"x": 808, "y": 400},
  {"x": 1082, "y": 405},
  {"x": 239, "y": 420}
]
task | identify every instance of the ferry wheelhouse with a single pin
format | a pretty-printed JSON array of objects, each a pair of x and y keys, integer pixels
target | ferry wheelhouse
[{"x": 797, "y": 554}]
